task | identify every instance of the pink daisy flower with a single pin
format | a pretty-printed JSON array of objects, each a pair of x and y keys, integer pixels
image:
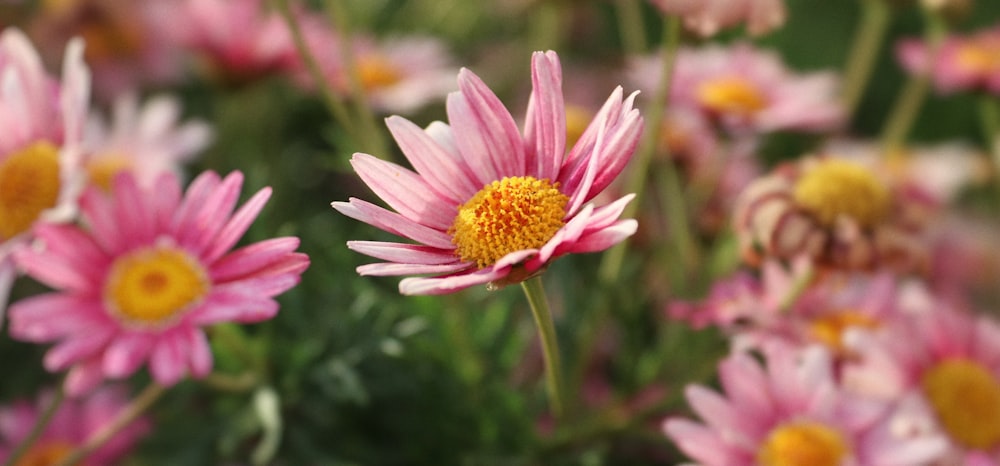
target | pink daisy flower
[
  {"x": 792, "y": 414},
  {"x": 488, "y": 204},
  {"x": 147, "y": 140},
  {"x": 146, "y": 272},
  {"x": 950, "y": 360},
  {"x": 41, "y": 125},
  {"x": 746, "y": 89},
  {"x": 707, "y": 17},
  {"x": 71, "y": 425},
  {"x": 962, "y": 63}
]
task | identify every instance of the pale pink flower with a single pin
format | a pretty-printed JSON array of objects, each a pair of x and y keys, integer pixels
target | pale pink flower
[
  {"x": 948, "y": 362},
  {"x": 960, "y": 63},
  {"x": 745, "y": 89},
  {"x": 71, "y": 425},
  {"x": 791, "y": 413},
  {"x": 147, "y": 140},
  {"x": 41, "y": 125},
  {"x": 148, "y": 269},
  {"x": 236, "y": 40},
  {"x": 707, "y": 17},
  {"x": 488, "y": 204}
]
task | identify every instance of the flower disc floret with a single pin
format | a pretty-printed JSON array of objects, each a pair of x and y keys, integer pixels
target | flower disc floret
[
  {"x": 512, "y": 214},
  {"x": 966, "y": 399},
  {"x": 731, "y": 95},
  {"x": 836, "y": 187},
  {"x": 152, "y": 286},
  {"x": 29, "y": 184},
  {"x": 803, "y": 444}
]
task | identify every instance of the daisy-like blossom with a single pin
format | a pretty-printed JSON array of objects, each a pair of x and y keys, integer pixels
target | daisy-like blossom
[
  {"x": 960, "y": 63},
  {"x": 71, "y": 425},
  {"x": 129, "y": 44},
  {"x": 488, "y": 204},
  {"x": 746, "y": 90},
  {"x": 148, "y": 269},
  {"x": 947, "y": 363},
  {"x": 236, "y": 40},
  {"x": 41, "y": 126},
  {"x": 838, "y": 212},
  {"x": 708, "y": 17},
  {"x": 147, "y": 140},
  {"x": 791, "y": 413}
]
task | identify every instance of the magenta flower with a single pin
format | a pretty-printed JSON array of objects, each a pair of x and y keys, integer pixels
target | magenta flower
[
  {"x": 145, "y": 273},
  {"x": 488, "y": 204},
  {"x": 961, "y": 63},
  {"x": 71, "y": 425},
  {"x": 708, "y": 17}
]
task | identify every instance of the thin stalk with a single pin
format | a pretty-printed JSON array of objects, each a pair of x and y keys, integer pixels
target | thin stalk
[
  {"x": 612, "y": 263},
  {"x": 36, "y": 431},
  {"x": 631, "y": 27},
  {"x": 371, "y": 139},
  {"x": 125, "y": 417},
  {"x": 867, "y": 40},
  {"x": 989, "y": 117},
  {"x": 535, "y": 293}
]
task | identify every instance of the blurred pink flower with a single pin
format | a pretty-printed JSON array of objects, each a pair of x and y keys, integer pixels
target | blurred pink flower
[
  {"x": 236, "y": 40},
  {"x": 146, "y": 272},
  {"x": 947, "y": 363},
  {"x": 792, "y": 413},
  {"x": 147, "y": 141},
  {"x": 707, "y": 17},
  {"x": 71, "y": 425},
  {"x": 962, "y": 63},
  {"x": 487, "y": 204},
  {"x": 41, "y": 125},
  {"x": 745, "y": 89}
]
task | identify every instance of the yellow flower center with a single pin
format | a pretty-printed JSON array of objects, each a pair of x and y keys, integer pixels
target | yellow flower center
[
  {"x": 830, "y": 329},
  {"x": 577, "y": 120},
  {"x": 29, "y": 184},
  {"x": 46, "y": 453},
  {"x": 802, "y": 444},
  {"x": 102, "y": 170},
  {"x": 731, "y": 94},
  {"x": 376, "y": 72},
  {"x": 837, "y": 187},
  {"x": 507, "y": 216},
  {"x": 152, "y": 286},
  {"x": 966, "y": 399},
  {"x": 980, "y": 56}
]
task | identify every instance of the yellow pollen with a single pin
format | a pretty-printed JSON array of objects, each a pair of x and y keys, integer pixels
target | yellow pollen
[
  {"x": 830, "y": 329},
  {"x": 507, "y": 216},
  {"x": 29, "y": 184},
  {"x": 152, "y": 286},
  {"x": 375, "y": 72},
  {"x": 102, "y": 169},
  {"x": 980, "y": 56},
  {"x": 966, "y": 398},
  {"x": 837, "y": 187},
  {"x": 46, "y": 453},
  {"x": 803, "y": 444},
  {"x": 731, "y": 94}
]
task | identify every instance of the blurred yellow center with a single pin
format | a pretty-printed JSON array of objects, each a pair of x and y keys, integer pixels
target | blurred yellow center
[
  {"x": 29, "y": 184},
  {"x": 731, "y": 94},
  {"x": 376, "y": 72},
  {"x": 46, "y": 453},
  {"x": 830, "y": 329},
  {"x": 966, "y": 399},
  {"x": 507, "y": 216},
  {"x": 980, "y": 57},
  {"x": 802, "y": 444},
  {"x": 835, "y": 188},
  {"x": 102, "y": 170},
  {"x": 152, "y": 286},
  {"x": 577, "y": 119}
]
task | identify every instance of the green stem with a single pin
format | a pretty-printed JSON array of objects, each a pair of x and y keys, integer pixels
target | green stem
[
  {"x": 989, "y": 117},
  {"x": 613, "y": 259},
  {"x": 868, "y": 39},
  {"x": 370, "y": 138},
  {"x": 125, "y": 417},
  {"x": 36, "y": 431},
  {"x": 631, "y": 27},
  {"x": 535, "y": 293}
]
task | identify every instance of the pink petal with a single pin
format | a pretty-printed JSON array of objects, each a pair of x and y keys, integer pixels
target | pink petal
[
  {"x": 133, "y": 217},
  {"x": 405, "y": 191},
  {"x": 702, "y": 444},
  {"x": 167, "y": 199},
  {"x": 387, "y": 269},
  {"x": 445, "y": 285},
  {"x": 393, "y": 223},
  {"x": 126, "y": 353},
  {"x": 76, "y": 348},
  {"x": 199, "y": 228},
  {"x": 545, "y": 130},
  {"x": 168, "y": 361},
  {"x": 252, "y": 258},
  {"x": 200, "y": 353},
  {"x": 441, "y": 168},
  {"x": 237, "y": 225},
  {"x": 50, "y": 316},
  {"x": 194, "y": 198},
  {"x": 484, "y": 130},
  {"x": 233, "y": 305},
  {"x": 98, "y": 212},
  {"x": 604, "y": 239},
  {"x": 403, "y": 253},
  {"x": 84, "y": 377}
]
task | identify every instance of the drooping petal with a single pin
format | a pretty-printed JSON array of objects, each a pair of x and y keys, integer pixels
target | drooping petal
[
  {"x": 404, "y": 191},
  {"x": 386, "y": 269},
  {"x": 450, "y": 284},
  {"x": 403, "y": 253},
  {"x": 394, "y": 223}
]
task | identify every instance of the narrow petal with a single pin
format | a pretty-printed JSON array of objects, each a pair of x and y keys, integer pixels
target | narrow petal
[
  {"x": 84, "y": 377},
  {"x": 198, "y": 229},
  {"x": 403, "y": 253},
  {"x": 445, "y": 285},
  {"x": 126, "y": 353},
  {"x": 702, "y": 444},
  {"x": 251, "y": 258},
  {"x": 545, "y": 129},
  {"x": 394, "y": 223},
  {"x": 442, "y": 169},
  {"x": 199, "y": 351},
  {"x": 405, "y": 191},
  {"x": 50, "y": 316},
  {"x": 76, "y": 348},
  {"x": 237, "y": 225},
  {"x": 604, "y": 239},
  {"x": 132, "y": 216},
  {"x": 233, "y": 305},
  {"x": 168, "y": 362},
  {"x": 389, "y": 269}
]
